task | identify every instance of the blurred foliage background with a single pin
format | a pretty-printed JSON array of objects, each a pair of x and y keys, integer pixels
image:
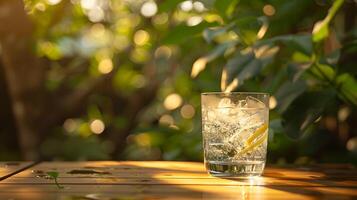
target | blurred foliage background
[{"x": 121, "y": 79}]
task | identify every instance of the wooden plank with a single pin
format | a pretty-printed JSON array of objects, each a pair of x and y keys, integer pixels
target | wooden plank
[
  {"x": 9, "y": 168},
  {"x": 178, "y": 173},
  {"x": 176, "y": 180},
  {"x": 171, "y": 192}
]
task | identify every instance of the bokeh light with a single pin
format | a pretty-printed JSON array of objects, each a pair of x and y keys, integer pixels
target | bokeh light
[
  {"x": 88, "y": 4},
  {"x": 186, "y": 6},
  {"x": 105, "y": 66},
  {"x": 166, "y": 120},
  {"x": 121, "y": 42},
  {"x": 143, "y": 139},
  {"x": 187, "y": 111},
  {"x": 141, "y": 37},
  {"x": 172, "y": 101},
  {"x": 97, "y": 126},
  {"x": 53, "y": 2},
  {"x": 148, "y": 9},
  {"x": 272, "y": 102},
  {"x": 97, "y": 30},
  {"x": 352, "y": 144},
  {"x": 269, "y": 10},
  {"x": 139, "y": 81},
  {"x": 193, "y": 21},
  {"x": 96, "y": 14},
  {"x": 343, "y": 113},
  {"x": 40, "y": 6},
  {"x": 198, "y": 6},
  {"x": 70, "y": 125},
  {"x": 161, "y": 19},
  {"x": 139, "y": 55},
  {"x": 163, "y": 52},
  {"x": 173, "y": 126}
]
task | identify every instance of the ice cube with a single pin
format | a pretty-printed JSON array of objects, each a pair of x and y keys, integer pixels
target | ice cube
[
  {"x": 225, "y": 108},
  {"x": 242, "y": 103},
  {"x": 254, "y": 102},
  {"x": 225, "y": 103}
]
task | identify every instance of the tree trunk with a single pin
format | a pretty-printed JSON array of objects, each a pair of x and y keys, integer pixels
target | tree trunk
[{"x": 24, "y": 75}]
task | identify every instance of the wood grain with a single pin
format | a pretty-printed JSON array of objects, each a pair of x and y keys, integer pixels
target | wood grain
[
  {"x": 9, "y": 168},
  {"x": 177, "y": 180}
]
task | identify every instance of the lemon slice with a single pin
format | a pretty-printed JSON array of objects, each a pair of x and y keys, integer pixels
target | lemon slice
[
  {"x": 260, "y": 131},
  {"x": 254, "y": 145}
]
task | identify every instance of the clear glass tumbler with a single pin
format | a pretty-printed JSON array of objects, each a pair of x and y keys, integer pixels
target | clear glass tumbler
[{"x": 235, "y": 132}]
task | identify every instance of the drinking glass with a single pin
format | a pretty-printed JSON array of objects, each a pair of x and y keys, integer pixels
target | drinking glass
[{"x": 235, "y": 132}]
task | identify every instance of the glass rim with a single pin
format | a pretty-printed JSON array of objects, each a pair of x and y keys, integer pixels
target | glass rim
[{"x": 230, "y": 93}]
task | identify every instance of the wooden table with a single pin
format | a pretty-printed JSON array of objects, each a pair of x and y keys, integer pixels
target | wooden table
[{"x": 170, "y": 180}]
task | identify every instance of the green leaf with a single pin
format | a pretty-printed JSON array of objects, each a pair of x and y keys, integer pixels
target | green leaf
[
  {"x": 183, "y": 32},
  {"x": 249, "y": 62},
  {"x": 304, "y": 110},
  {"x": 300, "y": 42},
  {"x": 320, "y": 30},
  {"x": 288, "y": 92},
  {"x": 225, "y": 7},
  {"x": 236, "y": 64},
  {"x": 247, "y": 29},
  {"x": 278, "y": 79},
  {"x": 323, "y": 72},
  {"x": 210, "y": 33},
  {"x": 219, "y": 50},
  {"x": 168, "y": 5},
  {"x": 250, "y": 70},
  {"x": 200, "y": 64},
  {"x": 276, "y": 125},
  {"x": 348, "y": 87},
  {"x": 296, "y": 70}
]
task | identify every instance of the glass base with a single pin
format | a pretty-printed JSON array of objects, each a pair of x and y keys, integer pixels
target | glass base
[{"x": 236, "y": 169}]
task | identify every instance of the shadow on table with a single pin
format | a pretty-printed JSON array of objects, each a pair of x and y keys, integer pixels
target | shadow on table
[{"x": 322, "y": 181}]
